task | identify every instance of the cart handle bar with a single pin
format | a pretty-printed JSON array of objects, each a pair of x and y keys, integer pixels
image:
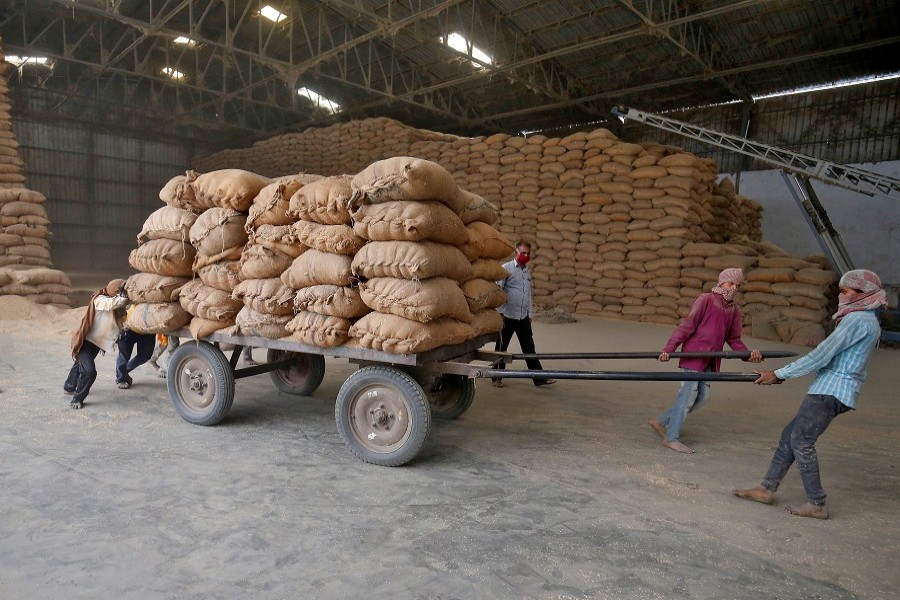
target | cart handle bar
[
  {"x": 612, "y": 355},
  {"x": 615, "y": 375}
]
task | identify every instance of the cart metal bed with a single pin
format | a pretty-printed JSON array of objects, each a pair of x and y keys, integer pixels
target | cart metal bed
[{"x": 383, "y": 411}]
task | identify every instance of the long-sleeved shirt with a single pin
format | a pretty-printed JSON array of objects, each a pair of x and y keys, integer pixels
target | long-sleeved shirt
[
  {"x": 710, "y": 324},
  {"x": 518, "y": 291},
  {"x": 105, "y": 329},
  {"x": 841, "y": 360}
]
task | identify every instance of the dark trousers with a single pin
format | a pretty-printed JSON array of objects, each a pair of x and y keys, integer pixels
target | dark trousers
[
  {"x": 798, "y": 443},
  {"x": 83, "y": 372},
  {"x": 125, "y": 364},
  {"x": 522, "y": 329}
]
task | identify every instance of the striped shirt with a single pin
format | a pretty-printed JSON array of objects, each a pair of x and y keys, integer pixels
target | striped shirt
[
  {"x": 841, "y": 360},
  {"x": 518, "y": 292}
]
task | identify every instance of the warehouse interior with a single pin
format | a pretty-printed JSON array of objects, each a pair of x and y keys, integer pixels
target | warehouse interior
[{"x": 110, "y": 102}]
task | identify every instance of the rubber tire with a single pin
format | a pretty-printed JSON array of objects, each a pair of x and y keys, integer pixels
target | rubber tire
[
  {"x": 315, "y": 372},
  {"x": 463, "y": 389},
  {"x": 408, "y": 393},
  {"x": 218, "y": 374}
]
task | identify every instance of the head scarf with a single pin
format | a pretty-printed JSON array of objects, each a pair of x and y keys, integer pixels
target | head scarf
[
  {"x": 112, "y": 289},
  {"x": 732, "y": 275},
  {"x": 869, "y": 297}
]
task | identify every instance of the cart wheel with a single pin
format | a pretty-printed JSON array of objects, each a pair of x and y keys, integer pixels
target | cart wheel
[
  {"x": 303, "y": 377},
  {"x": 383, "y": 415},
  {"x": 201, "y": 383},
  {"x": 450, "y": 396}
]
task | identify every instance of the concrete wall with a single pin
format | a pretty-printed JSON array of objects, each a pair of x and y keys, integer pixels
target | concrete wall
[{"x": 869, "y": 226}]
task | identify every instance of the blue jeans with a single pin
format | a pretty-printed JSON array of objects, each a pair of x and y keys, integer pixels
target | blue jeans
[
  {"x": 691, "y": 396},
  {"x": 83, "y": 373},
  {"x": 798, "y": 443}
]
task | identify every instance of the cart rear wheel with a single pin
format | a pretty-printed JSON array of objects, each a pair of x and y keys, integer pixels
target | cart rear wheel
[
  {"x": 383, "y": 416},
  {"x": 201, "y": 383},
  {"x": 450, "y": 396},
  {"x": 303, "y": 377}
]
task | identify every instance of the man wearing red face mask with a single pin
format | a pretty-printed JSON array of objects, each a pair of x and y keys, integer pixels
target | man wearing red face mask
[
  {"x": 840, "y": 363},
  {"x": 517, "y": 310}
]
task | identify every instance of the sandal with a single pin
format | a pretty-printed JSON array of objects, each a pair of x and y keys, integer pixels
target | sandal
[{"x": 497, "y": 383}]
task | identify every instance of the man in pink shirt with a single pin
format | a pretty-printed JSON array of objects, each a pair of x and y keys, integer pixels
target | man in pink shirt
[{"x": 714, "y": 319}]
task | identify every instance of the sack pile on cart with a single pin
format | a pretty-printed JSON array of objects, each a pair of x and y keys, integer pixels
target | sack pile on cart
[{"x": 397, "y": 258}]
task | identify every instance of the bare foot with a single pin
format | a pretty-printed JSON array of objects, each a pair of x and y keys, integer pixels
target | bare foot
[
  {"x": 250, "y": 362},
  {"x": 161, "y": 373},
  {"x": 677, "y": 446},
  {"x": 659, "y": 429},
  {"x": 756, "y": 494},
  {"x": 807, "y": 510}
]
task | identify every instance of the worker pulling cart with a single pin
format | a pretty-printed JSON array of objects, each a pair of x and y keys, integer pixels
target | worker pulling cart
[{"x": 383, "y": 411}]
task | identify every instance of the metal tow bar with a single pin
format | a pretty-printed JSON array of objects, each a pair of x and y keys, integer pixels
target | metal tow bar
[{"x": 615, "y": 355}]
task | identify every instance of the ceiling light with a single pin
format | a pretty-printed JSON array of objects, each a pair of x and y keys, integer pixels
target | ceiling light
[
  {"x": 272, "y": 14},
  {"x": 178, "y": 75},
  {"x": 320, "y": 101},
  {"x": 464, "y": 46},
  {"x": 185, "y": 40}
]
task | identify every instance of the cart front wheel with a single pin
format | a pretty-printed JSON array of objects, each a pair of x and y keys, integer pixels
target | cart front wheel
[
  {"x": 303, "y": 377},
  {"x": 201, "y": 383},
  {"x": 382, "y": 415},
  {"x": 450, "y": 396}
]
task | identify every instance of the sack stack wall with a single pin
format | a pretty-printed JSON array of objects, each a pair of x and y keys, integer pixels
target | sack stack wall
[
  {"x": 609, "y": 219},
  {"x": 24, "y": 224}
]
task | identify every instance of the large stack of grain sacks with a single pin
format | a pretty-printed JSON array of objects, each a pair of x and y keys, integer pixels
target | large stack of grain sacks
[
  {"x": 624, "y": 230},
  {"x": 397, "y": 258},
  {"x": 24, "y": 225}
]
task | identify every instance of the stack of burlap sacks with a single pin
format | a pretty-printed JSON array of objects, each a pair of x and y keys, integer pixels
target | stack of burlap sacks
[
  {"x": 24, "y": 225},
  {"x": 397, "y": 258},
  {"x": 610, "y": 219}
]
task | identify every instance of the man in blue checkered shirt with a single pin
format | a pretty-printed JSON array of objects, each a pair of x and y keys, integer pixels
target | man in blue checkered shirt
[{"x": 840, "y": 363}]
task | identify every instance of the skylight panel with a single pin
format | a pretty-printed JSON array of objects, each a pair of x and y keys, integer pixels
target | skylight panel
[
  {"x": 829, "y": 86},
  {"x": 185, "y": 40},
  {"x": 28, "y": 60},
  {"x": 320, "y": 101},
  {"x": 462, "y": 45},
  {"x": 272, "y": 14}
]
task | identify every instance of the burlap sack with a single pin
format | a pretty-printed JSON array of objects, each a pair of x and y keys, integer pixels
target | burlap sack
[
  {"x": 805, "y": 314},
  {"x": 395, "y": 334},
  {"x": 40, "y": 277},
  {"x": 815, "y": 292},
  {"x": 178, "y": 193},
  {"x": 269, "y": 296},
  {"x": 271, "y": 204},
  {"x": 809, "y": 335},
  {"x": 406, "y": 178},
  {"x": 153, "y": 289},
  {"x": 167, "y": 223},
  {"x": 260, "y": 262},
  {"x": 411, "y": 260},
  {"x": 488, "y": 269},
  {"x": 331, "y": 300},
  {"x": 200, "y": 300},
  {"x": 157, "y": 317},
  {"x": 487, "y": 321},
  {"x": 410, "y": 220},
  {"x": 326, "y": 201},
  {"x": 277, "y": 237},
  {"x": 254, "y": 323},
  {"x": 58, "y": 300},
  {"x": 218, "y": 230},
  {"x": 232, "y": 189},
  {"x": 482, "y": 294},
  {"x": 728, "y": 261},
  {"x": 224, "y": 275},
  {"x": 424, "y": 300},
  {"x": 473, "y": 248},
  {"x": 478, "y": 209},
  {"x": 200, "y": 327},
  {"x": 780, "y": 275},
  {"x": 325, "y": 331},
  {"x": 5, "y": 277},
  {"x": 163, "y": 257},
  {"x": 495, "y": 244},
  {"x": 819, "y": 277},
  {"x": 227, "y": 255},
  {"x": 337, "y": 239},
  {"x": 23, "y": 209},
  {"x": 314, "y": 267}
]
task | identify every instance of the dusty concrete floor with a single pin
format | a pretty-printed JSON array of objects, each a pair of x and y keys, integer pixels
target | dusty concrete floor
[{"x": 560, "y": 492}]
